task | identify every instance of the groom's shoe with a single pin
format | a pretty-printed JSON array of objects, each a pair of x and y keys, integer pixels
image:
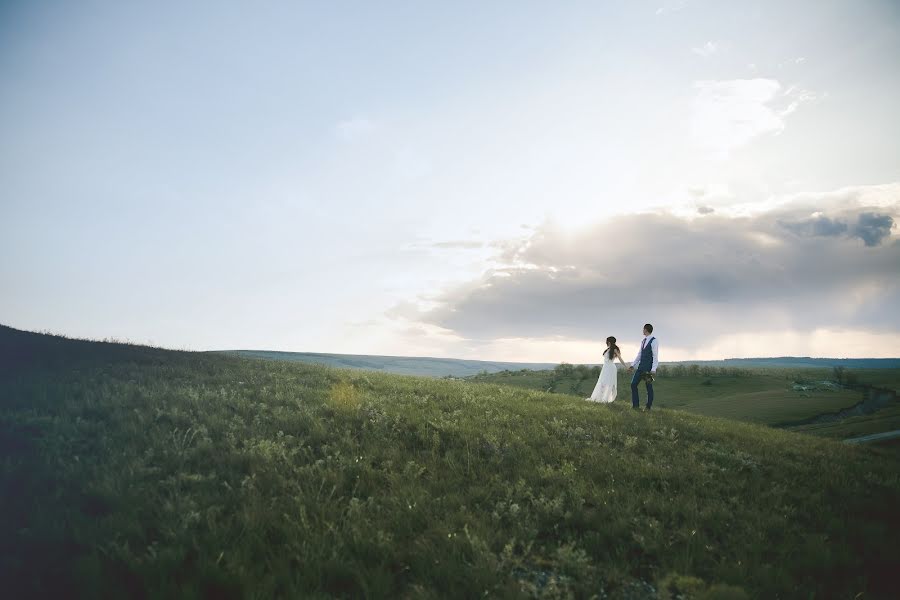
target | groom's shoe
[{"x": 646, "y": 409}]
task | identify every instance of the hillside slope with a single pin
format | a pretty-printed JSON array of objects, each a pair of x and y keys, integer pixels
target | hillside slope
[
  {"x": 161, "y": 474},
  {"x": 764, "y": 396}
]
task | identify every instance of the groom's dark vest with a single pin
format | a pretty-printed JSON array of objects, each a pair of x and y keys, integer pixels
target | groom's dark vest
[{"x": 646, "y": 363}]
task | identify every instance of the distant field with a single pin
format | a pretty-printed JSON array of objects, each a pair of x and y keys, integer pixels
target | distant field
[
  {"x": 765, "y": 396},
  {"x": 764, "y": 399},
  {"x": 443, "y": 367},
  {"x": 887, "y": 419},
  {"x": 399, "y": 365},
  {"x": 884, "y": 378}
]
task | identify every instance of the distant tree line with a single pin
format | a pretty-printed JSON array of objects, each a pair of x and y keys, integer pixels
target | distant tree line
[
  {"x": 701, "y": 371},
  {"x": 568, "y": 371},
  {"x": 579, "y": 372}
]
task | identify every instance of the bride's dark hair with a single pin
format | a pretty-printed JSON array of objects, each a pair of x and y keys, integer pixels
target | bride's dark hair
[{"x": 614, "y": 350}]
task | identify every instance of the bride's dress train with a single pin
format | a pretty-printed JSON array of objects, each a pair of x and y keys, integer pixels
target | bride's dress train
[{"x": 607, "y": 384}]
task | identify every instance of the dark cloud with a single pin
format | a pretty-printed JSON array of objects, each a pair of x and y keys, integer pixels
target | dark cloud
[
  {"x": 705, "y": 210},
  {"x": 872, "y": 228},
  {"x": 817, "y": 226},
  {"x": 693, "y": 278}
]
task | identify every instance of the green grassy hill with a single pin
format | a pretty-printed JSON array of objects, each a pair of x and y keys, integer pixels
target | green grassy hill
[
  {"x": 766, "y": 396},
  {"x": 141, "y": 473}
]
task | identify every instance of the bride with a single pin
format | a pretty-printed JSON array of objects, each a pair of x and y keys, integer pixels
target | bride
[{"x": 607, "y": 388}]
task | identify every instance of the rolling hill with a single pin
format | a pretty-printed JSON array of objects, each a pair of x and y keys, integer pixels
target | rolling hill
[
  {"x": 769, "y": 396},
  {"x": 143, "y": 473},
  {"x": 454, "y": 367},
  {"x": 401, "y": 365}
]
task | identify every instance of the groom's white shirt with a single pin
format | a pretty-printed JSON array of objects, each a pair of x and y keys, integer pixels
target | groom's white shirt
[{"x": 655, "y": 346}]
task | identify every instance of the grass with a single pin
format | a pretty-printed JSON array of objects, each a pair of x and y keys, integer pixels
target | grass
[
  {"x": 764, "y": 396},
  {"x": 883, "y": 378},
  {"x": 134, "y": 472},
  {"x": 887, "y": 419}
]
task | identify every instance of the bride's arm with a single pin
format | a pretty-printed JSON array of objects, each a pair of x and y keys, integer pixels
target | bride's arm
[{"x": 619, "y": 356}]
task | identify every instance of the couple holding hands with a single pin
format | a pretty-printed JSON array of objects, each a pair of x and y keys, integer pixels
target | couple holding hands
[{"x": 644, "y": 367}]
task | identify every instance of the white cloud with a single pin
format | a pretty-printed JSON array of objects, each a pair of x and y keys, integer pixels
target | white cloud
[
  {"x": 710, "y": 192},
  {"x": 670, "y": 7},
  {"x": 460, "y": 244},
  {"x": 707, "y": 49},
  {"x": 883, "y": 196},
  {"x": 824, "y": 342},
  {"x": 799, "y": 60},
  {"x": 728, "y": 114},
  {"x": 797, "y": 97},
  {"x": 795, "y": 277}
]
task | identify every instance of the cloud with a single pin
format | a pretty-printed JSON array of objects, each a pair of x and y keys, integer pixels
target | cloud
[
  {"x": 817, "y": 226},
  {"x": 705, "y": 210},
  {"x": 728, "y": 114},
  {"x": 797, "y": 96},
  {"x": 706, "y": 50},
  {"x": 872, "y": 228},
  {"x": 791, "y": 269},
  {"x": 459, "y": 244},
  {"x": 709, "y": 192},
  {"x": 797, "y": 60},
  {"x": 672, "y": 6}
]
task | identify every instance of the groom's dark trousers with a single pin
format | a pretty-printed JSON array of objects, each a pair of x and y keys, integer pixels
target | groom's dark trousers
[
  {"x": 635, "y": 400},
  {"x": 645, "y": 365}
]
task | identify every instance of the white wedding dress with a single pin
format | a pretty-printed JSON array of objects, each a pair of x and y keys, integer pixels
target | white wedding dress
[{"x": 607, "y": 384}]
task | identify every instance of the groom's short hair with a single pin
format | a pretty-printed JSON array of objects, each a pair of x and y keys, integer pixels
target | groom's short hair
[{"x": 649, "y": 328}]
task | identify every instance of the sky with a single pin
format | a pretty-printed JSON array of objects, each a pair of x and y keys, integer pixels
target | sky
[{"x": 499, "y": 181}]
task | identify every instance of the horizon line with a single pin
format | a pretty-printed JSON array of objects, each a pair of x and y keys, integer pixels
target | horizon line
[{"x": 113, "y": 340}]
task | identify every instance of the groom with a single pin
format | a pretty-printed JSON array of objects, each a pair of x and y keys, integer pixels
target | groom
[{"x": 646, "y": 362}]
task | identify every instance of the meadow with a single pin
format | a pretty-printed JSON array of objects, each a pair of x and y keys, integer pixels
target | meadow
[
  {"x": 881, "y": 421},
  {"x": 143, "y": 473},
  {"x": 769, "y": 396}
]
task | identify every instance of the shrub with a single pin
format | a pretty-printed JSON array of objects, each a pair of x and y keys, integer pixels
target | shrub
[{"x": 564, "y": 370}]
